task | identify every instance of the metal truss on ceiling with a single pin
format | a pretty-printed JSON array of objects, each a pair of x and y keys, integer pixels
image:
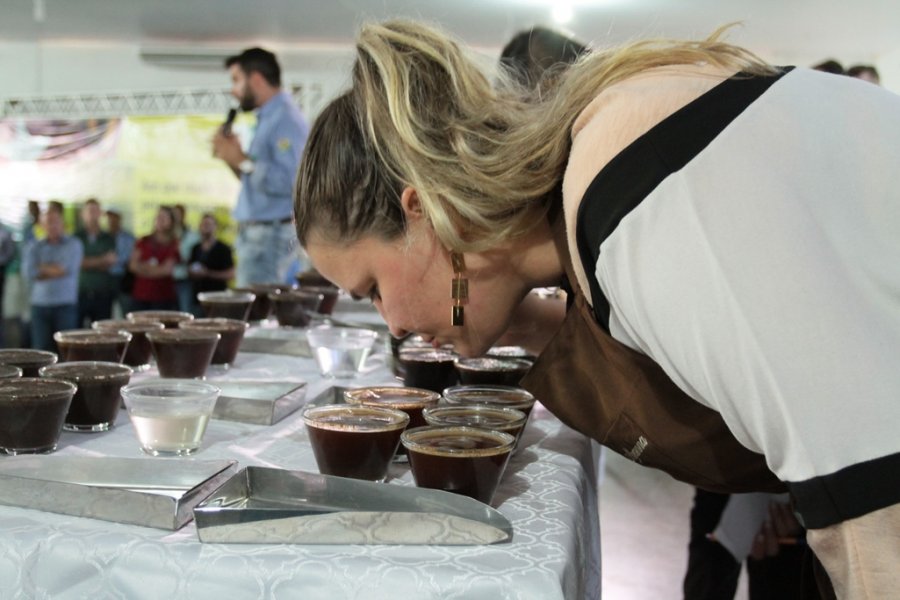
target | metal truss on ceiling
[{"x": 122, "y": 104}]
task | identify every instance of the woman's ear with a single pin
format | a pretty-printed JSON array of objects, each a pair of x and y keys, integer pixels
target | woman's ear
[{"x": 412, "y": 207}]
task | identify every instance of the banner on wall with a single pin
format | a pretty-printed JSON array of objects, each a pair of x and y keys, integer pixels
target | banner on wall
[{"x": 133, "y": 164}]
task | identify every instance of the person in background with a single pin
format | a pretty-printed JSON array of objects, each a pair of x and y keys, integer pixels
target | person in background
[
  {"x": 534, "y": 54},
  {"x": 52, "y": 266},
  {"x": 7, "y": 254},
  {"x": 265, "y": 244},
  {"x": 644, "y": 181},
  {"x": 152, "y": 261},
  {"x": 96, "y": 286},
  {"x": 31, "y": 222},
  {"x": 865, "y": 72},
  {"x": 187, "y": 237},
  {"x": 123, "y": 279},
  {"x": 211, "y": 261},
  {"x": 830, "y": 66}
]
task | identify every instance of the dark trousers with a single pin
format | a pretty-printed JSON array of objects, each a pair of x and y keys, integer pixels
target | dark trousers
[
  {"x": 94, "y": 305},
  {"x": 47, "y": 320},
  {"x": 712, "y": 572},
  {"x": 154, "y": 305}
]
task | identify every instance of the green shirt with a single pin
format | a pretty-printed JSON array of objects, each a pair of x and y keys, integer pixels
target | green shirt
[{"x": 92, "y": 279}]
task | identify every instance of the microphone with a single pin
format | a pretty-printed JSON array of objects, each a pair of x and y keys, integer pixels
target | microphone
[{"x": 226, "y": 126}]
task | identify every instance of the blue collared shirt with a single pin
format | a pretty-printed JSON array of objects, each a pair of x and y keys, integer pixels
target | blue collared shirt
[
  {"x": 124, "y": 245},
  {"x": 281, "y": 131},
  {"x": 67, "y": 252}
]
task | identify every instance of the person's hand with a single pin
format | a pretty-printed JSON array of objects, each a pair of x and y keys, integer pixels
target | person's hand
[
  {"x": 51, "y": 271},
  {"x": 228, "y": 148},
  {"x": 109, "y": 259},
  {"x": 781, "y": 525}
]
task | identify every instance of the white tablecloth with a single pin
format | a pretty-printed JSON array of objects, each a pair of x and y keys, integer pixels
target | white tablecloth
[{"x": 548, "y": 493}]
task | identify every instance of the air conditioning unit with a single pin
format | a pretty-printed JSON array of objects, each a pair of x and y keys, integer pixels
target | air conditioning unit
[{"x": 187, "y": 58}]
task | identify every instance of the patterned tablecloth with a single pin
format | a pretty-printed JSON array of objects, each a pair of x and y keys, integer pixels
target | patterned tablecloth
[{"x": 548, "y": 493}]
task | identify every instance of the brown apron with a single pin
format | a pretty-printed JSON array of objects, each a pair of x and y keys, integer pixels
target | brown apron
[{"x": 624, "y": 400}]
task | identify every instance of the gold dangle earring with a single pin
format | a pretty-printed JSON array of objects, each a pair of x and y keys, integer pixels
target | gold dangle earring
[{"x": 460, "y": 289}]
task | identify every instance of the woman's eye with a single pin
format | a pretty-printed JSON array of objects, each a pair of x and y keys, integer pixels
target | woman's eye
[{"x": 374, "y": 294}]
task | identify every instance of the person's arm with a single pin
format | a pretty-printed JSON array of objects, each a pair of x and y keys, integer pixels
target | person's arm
[
  {"x": 275, "y": 175},
  {"x": 228, "y": 148},
  {"x": 101, "y": 262},
  {"x": 30, "y": 260},
  {"x": 74, "y": 256}
]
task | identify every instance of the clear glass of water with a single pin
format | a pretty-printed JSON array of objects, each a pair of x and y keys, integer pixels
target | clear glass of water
[
  {"x": 340, "y": 352},
  {"x": 170, "y": 415}
]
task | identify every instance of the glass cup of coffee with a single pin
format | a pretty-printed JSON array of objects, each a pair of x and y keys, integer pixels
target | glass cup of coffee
[
  {"x": 354, "y": 441},
  {"x": 226, "y": 304},
  {"x": 92, "y": 344},
  {"x": 293, "y": 308},
  {"x": 463, "y": 460},
  {"x": 30, "y": 361},
  {"x": 232, "y": 332},
  {"x": 170, "y": 415},
  {"x": 169, "y": 318},
  {"x": 138, "y": 354},
  {"x": 507, "y": 420},
  {"x": 491, "y": 395},
  {"x": 95, "y": 405},
  {"x": 329, "y": 295},
  {"x": 412, "y": 401},
  {"x": 183, "y": 353},
  {"x": 32, "y": 412},
  {"x": 428, "y": 368},
  {"x": 491, "y": 370}
]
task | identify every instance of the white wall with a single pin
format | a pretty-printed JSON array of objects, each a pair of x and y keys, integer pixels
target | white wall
[{"x": 30, "y": 69}]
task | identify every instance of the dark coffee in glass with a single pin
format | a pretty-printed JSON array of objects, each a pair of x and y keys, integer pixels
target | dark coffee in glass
[
  {"x": 92, "y": 344},
  {"x": 491, "y": 370},
  {"x": 183, "y": 353},
  {"x": 462, "y": 460},
  {"x": 409, "y": 400},
  {"x": 96, "y": 403},
  {"x": 507, "y": 420},
  {"x": 232, "y": 332},
  {"x": 428, "y": 368},
  {"x": 354, "y": 441},
  {"x": 293, "y": 308},
  {"x": 30, "y": 361},
  {"x": 32, "y": 411},
  {"x": 169, "y": 318},
  {"x": 227, "y": 304},
  {"x": 138, "y": 353},
  {"x": 491, "y": 395}
]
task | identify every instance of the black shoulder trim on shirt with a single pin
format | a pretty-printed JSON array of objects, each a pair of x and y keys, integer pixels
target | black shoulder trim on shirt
[
  {"x": 849, "y": 493},
  {"x": 623, "y": 183}
]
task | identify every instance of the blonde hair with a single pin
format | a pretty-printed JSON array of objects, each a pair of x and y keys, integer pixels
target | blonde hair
[{"x": 486, "y": 161}]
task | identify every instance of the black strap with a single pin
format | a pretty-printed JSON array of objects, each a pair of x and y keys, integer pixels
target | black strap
[
  {"x": 852, "y": 492},
  {"x": 638, "y": 169}
]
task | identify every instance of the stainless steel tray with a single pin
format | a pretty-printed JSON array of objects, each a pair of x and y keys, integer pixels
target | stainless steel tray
[
  {"x": 332, "y": 395},
  {"x": 277, "y": 341},
  {"x": 261, "y": 505},
  {"x": 151, "y": 492},
  {"x": 258, "y": 402}
]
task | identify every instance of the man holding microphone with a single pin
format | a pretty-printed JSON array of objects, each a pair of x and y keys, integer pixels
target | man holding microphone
[{"x": 266, "y": 244}]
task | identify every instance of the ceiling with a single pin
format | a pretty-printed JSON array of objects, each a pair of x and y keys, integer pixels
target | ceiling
[{"x": 780, "y": 30}]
